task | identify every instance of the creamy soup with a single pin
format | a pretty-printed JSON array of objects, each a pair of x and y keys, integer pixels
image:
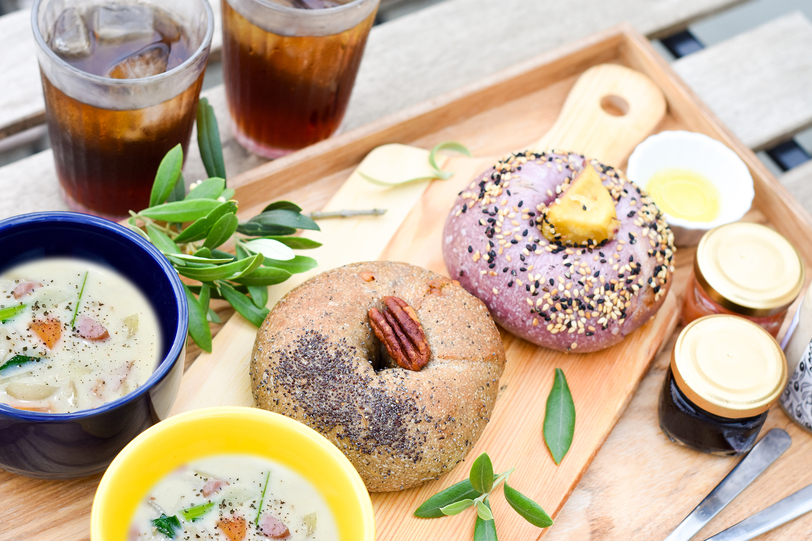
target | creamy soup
[
  {"x": 73, "y": 336},
  {"x": 233, "y": 498}
]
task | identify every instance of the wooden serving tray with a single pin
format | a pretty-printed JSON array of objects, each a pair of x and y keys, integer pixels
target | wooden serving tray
[{"x": 493, "y": 117}]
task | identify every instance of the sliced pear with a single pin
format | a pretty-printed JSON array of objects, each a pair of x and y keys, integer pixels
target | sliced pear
[{"x": 584, "y": 212}]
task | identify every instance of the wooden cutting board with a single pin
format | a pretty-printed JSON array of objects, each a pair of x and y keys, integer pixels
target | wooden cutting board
[{"x": 601, "y": 382}]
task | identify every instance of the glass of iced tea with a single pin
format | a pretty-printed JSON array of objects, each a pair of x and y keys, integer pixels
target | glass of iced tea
[
  {"x": 121, "y": 81},
  {"x": 289, "y": 67}
]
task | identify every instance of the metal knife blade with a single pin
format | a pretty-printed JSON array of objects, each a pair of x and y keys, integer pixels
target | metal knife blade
[
  {"x": 746, "y": 471},
  {"x": 783, "y": 511}
]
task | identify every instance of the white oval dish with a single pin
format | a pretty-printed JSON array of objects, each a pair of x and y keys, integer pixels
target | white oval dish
[{"x": 707, "y": 156}]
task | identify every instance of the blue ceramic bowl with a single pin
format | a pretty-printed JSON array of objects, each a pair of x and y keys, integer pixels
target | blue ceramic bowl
[{"x": 56, "y": 446}]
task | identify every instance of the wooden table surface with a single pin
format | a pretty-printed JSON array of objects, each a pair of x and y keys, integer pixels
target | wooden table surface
[{"x": 757, "y": 83}]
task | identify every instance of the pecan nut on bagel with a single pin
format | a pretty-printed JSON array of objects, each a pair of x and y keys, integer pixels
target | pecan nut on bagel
[
  {"x": 396, "y": 365},
  {"x": 565, "y": 252}
]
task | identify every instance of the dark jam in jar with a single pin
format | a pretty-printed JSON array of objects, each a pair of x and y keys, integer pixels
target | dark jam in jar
[
  {"x": 725, "y": 373},
  {"x": 686, "y": 423}
]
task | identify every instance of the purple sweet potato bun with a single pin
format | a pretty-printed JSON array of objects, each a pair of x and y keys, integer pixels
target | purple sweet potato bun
[{"x": 580, "y": 298}]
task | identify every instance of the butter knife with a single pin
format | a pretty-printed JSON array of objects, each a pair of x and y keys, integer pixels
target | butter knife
[
  {"x": 746, "y": 471},
  {"x": 783, "y": 511}
]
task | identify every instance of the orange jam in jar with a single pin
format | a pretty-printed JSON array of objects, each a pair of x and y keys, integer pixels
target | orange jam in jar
[
  {"x": 725, "y": 373},
  {"x": 746, "y": 270}
]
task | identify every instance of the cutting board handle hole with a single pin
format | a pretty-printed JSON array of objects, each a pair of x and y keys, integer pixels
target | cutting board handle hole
[{"x": 614, "y": 105}]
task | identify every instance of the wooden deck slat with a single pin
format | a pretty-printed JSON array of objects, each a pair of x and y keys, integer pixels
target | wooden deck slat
[
  {"x": 757, "y": 82},
  {"x": 407, "y": 59},
  {"x": 799, "y": 182}
]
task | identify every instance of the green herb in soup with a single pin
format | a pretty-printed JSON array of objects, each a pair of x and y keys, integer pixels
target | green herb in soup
[
  {"x": 19, "y": 360},
  {"x": 73, "y": 336},
  {"x": 233, "y": 498}
]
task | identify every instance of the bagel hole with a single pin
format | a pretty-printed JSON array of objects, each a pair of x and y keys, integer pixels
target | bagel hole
[
  {"x": 381, "y": 360},
  {"x": 614, "y": 105}
]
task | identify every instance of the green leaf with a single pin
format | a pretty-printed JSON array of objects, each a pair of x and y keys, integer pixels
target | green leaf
[
  {"x": 481, "y": 474},
  {"x": 204, "y": 297},
  {"x": 227, "y": 194},
  {"x": 269, "y": 248},
  {"x": 527, "y": 508},
  {"x": 241, "y": 253},
  {"x": 213, "y": 317},
  {"x": 483, "y": 511},
  {"x": 208, "y": 140},
  {"x": 11, "y": 311},
  {"x": 485, "y": 530},
  {"x": 254, "y": 229},
  {"x": 161, "y": 240},
  {"x": 223, "y": 255},
  {"x": 179, "y": 191},
  {"x": 131, "y": 223},
  {"x": 297, "y": 243},
  {"x": 285, "y": 218},
  {"x": 208, "y": 189},
  {"x": 221, "y": 231},
  {"x": 167, "y": 176},
  {"x": 193, "y": 513},
  {"x": 445, "y": 145},
  {"x": 200, "y": 228},
  {"x": 198, "y": 325},
  {"x": 197, "y": 259},
  {"x": 456, "y": 507},
  {"x": 259, "y": 294},
  {"x": 559, "y": 418},
  {"x": 228, "y": 271},
  {"x": 19, "y": 360},
  {"x": 263, "y": 276},
  {"x": 169, "y": 526},
  {"x": 297, "y": 265},
  {"x": 283, "y": 205},
  {"x": 243, "y": 304},
  {"x": 181, "y": 211},
  {"x": 455, "y": 493}
]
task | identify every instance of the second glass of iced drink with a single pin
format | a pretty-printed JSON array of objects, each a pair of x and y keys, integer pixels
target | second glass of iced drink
[{"x": 289, "y": 67}]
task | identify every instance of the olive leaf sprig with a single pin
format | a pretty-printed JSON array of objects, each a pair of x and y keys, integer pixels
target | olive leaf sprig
[
  {"x": 476, "y": 492},
  {"x": 188, "y": 228}
]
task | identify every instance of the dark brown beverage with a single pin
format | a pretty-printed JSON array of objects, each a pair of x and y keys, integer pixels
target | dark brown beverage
[
  {"x": 287, "y": 92},
  {"x": 106, "y": 160},
  {"x": 110, "y": 132}
]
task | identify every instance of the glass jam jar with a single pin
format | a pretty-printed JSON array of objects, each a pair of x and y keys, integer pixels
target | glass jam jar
[
  {"x": 725, "y": 373},
  {"x": 747, "y": 270}
]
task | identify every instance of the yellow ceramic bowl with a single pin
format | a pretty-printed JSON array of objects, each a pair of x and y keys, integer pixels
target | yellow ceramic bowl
[{"x": 212, "y": 431}]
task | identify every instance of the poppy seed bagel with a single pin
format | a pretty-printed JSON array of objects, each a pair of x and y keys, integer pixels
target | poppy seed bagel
[
  {"x": 317, "y": 360},
  {"x": 567, "y": 297}
]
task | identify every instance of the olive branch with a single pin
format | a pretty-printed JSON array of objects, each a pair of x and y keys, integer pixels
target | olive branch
[{"x": 188, "y": 228}]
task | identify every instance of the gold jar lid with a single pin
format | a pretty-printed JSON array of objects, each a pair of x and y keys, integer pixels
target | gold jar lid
[
  {"x": 728, "y": 366},
  {"x": 749, "y": 269}
]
